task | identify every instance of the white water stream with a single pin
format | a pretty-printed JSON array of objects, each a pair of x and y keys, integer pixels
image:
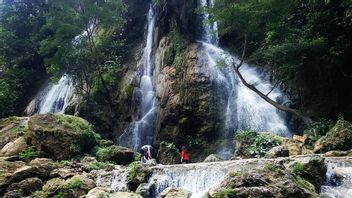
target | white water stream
[
  {"x": 141, "y": 132},
  {"x": 338, "y": 182},
  {"x": 53, "y": 99}
]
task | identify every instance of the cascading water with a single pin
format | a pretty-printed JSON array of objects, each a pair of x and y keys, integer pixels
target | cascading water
[
  {"x": 338, "y": 182},
  {"x": 197, "y": 179},
  {"x": 53, "y": 99},
  {"x": 141, "y": 132},
  {"x": 244, "y": 109}
]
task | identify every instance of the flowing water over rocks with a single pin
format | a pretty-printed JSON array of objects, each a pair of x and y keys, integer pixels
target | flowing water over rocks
[
  {"x": 338, "y": 182},
  {"x": 199, "y": 178},
  {"x": 244, "y": 109},
  {"x": 53, "y": 99},
  {"x": 141, "y": 132}
]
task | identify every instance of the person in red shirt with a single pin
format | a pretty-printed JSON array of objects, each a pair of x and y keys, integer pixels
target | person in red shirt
[{"x": 184, "y": 156}]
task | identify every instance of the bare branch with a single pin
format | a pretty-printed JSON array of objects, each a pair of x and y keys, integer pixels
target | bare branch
[
  {"x": 281, "y": 107},
  {"x": 272, "y": 89}
]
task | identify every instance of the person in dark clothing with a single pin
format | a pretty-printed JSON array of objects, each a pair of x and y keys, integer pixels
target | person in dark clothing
[
  {"x": 146, "y": 152},
  {"x": 184, "y": 156}
]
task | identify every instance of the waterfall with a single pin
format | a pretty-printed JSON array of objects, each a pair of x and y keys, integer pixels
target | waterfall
[
  {"x": 244, "y": 109},
  {"x": 53, "y": 99},
  {"x": 197, "y": 179},
  {"x": 338, "y": 182},
  {"x": 141, "y": 132}
]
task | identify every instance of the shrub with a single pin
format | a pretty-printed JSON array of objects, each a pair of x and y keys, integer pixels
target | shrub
[
  {"x": 318, "y": 129},
  {"x": 29, "y": 154},
  {"x": 254, "y": 144},
  {"x": 104, "y": 153},
  {"x": 225, "y": 193},
  {"x": 262, "y": 144}
]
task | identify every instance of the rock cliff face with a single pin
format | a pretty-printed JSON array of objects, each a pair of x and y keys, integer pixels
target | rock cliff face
[{"x": 188, "y": 112}]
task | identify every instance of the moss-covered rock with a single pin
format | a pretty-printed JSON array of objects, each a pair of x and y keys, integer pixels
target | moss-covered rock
[
  {"x": 60, "y": 136},
  {"x": 11, "y": 128},
  {"x": 117, "y": 154},
  {"x": 190, "y": 109},
  {"x": 26, "y": 186},
  {"x": 311, "y": 169},
  {"x": 271, "y": 181},
  {"x": 138, "y": 173},
  {"x": 15, "y": 172},
  {"x": 74, "y": 187},
  {"x": 338, "y": 137}
]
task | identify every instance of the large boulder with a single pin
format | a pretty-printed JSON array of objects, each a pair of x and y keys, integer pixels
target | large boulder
[
  {"x": 278, "y": 151},
  {"x": 138, "y": 173},
  {"x": 117, "y": 154},
  {"x": 311, "y": 169},
  {"x": 60, "y": 136},
  {"x": 212, "y": 158},
  {"x": 74, "y": 187},
  {"x": 15, "y": 172},
  {"x": 338, "y": 137},
  {"x": 27, "y": 186},
  {"x": 270, "y": 181},
  {"x": 175, "y": 193}
]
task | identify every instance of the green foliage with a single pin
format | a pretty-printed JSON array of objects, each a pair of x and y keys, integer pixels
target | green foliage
[
  {"x": 132, "y": 170},
  {"x": 98, "y": 165},
  {"x": 172, "y": 147},
  {"x": 248, "y": 136},
  {"x": 339, "y": 137},
  {"x": 29, "y": 154},
  {"x": 104, "y": 153},
  {"x": 40, "y": 194},
  {"x": 304, "y": 183},
  {"x": 298, "y": 168},
  {"x": 255, "y": 144},
  {"x": 262, "y": 144},
  {"x": 318, "y": 129},
  {"x": 178, "y": 46},
  {"x": 23, "y": 69},
  {"x": 225, "y": 193}
]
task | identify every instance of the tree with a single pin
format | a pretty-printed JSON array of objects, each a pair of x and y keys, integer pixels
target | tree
[
  {"x": 82, "y": 31},
  {"x": 22, "y": 66}
]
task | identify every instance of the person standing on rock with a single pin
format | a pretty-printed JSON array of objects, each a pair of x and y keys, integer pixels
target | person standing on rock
[
  {"x": 146, "y": 151},
  {"x": 184, "y": 156}
]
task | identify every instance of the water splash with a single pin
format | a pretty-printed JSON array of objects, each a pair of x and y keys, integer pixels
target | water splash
[
  {"x": 53, "y": 99},
  {"x": 338, "y": 182},
  {"x": 141, "y": 132}
]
